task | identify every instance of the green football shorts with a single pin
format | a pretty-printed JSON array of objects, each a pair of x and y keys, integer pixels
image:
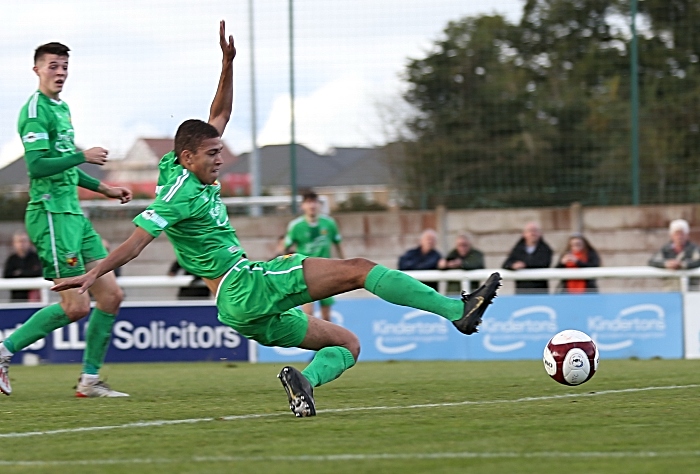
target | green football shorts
[
  {"x": 64, "y": 242},
  {"x": 260, "y": 299}
]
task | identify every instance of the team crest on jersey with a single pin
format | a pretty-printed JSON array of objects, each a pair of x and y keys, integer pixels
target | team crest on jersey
[{"x": 71, "y": 259}]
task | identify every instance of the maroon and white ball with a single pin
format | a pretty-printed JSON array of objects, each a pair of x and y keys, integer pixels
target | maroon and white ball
[{"x": 571, "y": 357}]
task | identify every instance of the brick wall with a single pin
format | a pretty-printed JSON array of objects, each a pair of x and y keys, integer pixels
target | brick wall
[{"x": 624, "y": 236}]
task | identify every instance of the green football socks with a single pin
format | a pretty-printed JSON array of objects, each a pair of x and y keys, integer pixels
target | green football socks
[
  {"x": 327, "y": 365},
  {"x": 97, "y": 337},
  {"x": 37, "y": 327},
  {"x": 398, "y": 288}
]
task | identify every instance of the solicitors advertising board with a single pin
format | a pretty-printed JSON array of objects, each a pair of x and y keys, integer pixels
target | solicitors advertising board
[{"x": 153, "y": 333}]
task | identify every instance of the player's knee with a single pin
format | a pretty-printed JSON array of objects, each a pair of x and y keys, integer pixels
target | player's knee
[
  {"x": 77, "y": 310},
  {"x": 111, "y": 300},
  {"x": 353, "y": 345},
  {"x": 360, "y": 268}
]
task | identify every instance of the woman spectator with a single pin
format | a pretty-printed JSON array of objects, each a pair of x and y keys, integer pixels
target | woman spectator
[{"x": 579, "y": 253}]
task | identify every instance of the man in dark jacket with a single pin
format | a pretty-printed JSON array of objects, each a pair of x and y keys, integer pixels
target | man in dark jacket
[
  {"x": 463, "y": 257},
  {"x": 531, "y": 251},
  {"x": 23, "y": 263},
  {"x": 423, "y": 257}
]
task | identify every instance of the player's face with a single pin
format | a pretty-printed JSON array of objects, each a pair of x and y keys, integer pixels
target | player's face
[
  {"x": 207, "y": 161},
  {"x": 310, "y": 208},
  {"x": 52, "y": 70}
]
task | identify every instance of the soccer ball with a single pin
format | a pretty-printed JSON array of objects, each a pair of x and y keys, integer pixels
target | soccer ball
[{"x": 571, "y": 357}]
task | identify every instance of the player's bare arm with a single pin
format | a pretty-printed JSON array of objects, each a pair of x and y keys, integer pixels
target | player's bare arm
[
  {"x": 221, "y": 107},
  {"x": 115, "y": 192},
  {"x": 96, "y": 155},
  {"x": 127, "y": 251}
]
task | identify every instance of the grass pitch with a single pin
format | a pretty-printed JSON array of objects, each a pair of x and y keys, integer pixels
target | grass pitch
[{"x": 407, "y": 417}]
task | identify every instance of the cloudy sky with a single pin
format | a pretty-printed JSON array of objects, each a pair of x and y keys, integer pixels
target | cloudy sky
[{"x": 140, "y": 67}]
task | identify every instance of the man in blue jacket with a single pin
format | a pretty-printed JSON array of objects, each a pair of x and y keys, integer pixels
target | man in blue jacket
[{"x": 423, "y": 257}]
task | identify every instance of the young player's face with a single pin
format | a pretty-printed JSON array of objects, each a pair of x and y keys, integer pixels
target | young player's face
[
  {"x": 310, "y": 208},
  {"x": 52, "y": 70},
  {"x": 207, "y": 161}
]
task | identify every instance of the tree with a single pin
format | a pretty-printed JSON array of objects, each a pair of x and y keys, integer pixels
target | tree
[
  {"x": 538, "y": 113},
  {"x": 459, "y": 141}
]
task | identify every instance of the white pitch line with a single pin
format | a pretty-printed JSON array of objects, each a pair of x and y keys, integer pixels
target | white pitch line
[
  {"x": 156, "y": 423},
  {"x": 364, "y": 457}
]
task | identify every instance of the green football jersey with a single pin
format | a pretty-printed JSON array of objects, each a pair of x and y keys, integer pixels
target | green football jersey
[
  {"x": 167, "y": 169},
  {"x": 196, "y": 223},
  {"x": 313, "y": 240},
  {"x": 45, "y": 124}
]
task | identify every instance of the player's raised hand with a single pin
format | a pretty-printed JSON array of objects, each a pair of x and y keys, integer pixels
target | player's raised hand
[
  {"x": 82, "y": 282},
  {"x": 117, "y": 192},
  {"x": 96, "y": 155},
  {"x": 227, "y": 47}
]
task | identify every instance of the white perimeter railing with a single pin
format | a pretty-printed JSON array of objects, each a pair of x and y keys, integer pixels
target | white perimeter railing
[
  {"x": 160, "y": 281},
  {"x": 243, "y": 201}
]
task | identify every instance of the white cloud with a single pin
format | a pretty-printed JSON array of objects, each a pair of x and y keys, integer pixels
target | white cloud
[
  {"x": 142, "y": 67},
  {"x": 339, "y": 105}
]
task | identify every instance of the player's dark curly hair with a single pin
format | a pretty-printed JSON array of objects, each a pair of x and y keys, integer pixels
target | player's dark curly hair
[
  {"x": 50, "y": 48},
  {"x": 309, "y": 196},
  {"x": 191, "y": 133}
]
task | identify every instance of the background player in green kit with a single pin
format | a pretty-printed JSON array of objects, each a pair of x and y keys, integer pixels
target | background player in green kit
[
  {"x": 313, "y": 235},
  {"x": 65, "y": 240},
  {"x": 260, "y": 299}
]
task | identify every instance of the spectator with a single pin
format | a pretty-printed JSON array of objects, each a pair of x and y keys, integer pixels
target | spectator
[
  {"x": 579, "y": 253},
  {"x": 531, "y": 251},
  {"x": 462, "y": 257},
  {"x": 423, "y": 257},
  {"x": 196, "y": 290},
  {"x": 23, "y": 263},
  {"x": 679, "y": 253}
]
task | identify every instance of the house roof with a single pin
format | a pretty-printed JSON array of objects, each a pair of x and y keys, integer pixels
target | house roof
[
  {"x": 159, "y": 146},
  {"x": 15, "y": 172},
  {"x": 162, "y": 146},
  {"x": 344, "y": 166},
  {"x": 361, "y": 166}
]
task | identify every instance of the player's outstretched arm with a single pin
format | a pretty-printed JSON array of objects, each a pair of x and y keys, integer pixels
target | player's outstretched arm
[
  {"x": 221, "y": 107},
  {"x": 93, "y": 184},
  {"x": 126, "y": 252}
]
